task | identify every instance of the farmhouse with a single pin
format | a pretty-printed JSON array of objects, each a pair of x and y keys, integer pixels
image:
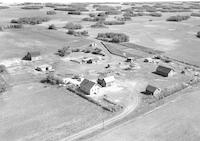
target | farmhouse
[
  {"x": 164, "y": 71},
  {"x": 151, "y": 90},
  {"x": 105, "y": 81},
  {"x": 89, "y": 87},
  {"x": 34, "y": 55}
]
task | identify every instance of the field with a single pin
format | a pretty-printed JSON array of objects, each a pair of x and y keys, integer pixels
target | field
[
  {"x": 31, "y": 110},
  {"x": 177, "y": 120},
  {"x": 35, "y": 112}
]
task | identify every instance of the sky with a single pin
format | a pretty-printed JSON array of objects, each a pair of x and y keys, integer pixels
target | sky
[{"x": 68, "y": 1}]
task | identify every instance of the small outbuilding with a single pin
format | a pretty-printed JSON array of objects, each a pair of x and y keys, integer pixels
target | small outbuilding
[
  {"x": 34, "y": 55},
  {"x": 44, "y": 68},
  {"x": 89, "y": 87},
  {"x": 130, "y": 59},
  {"x": 105, "y": 80},
  {"x": 151, "y": 90},
  {"x": 164, "y": 71}
]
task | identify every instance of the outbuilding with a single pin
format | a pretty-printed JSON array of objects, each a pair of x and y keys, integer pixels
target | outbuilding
[
  {"x": 164, "y": 71},
  {"x": 44, "y": 68},
  {"x": 105, "y": 80},
  {"x": 34, "y": 55},
  {"x": 152, "y": 90},
  {"x": 89, "y": 87}
]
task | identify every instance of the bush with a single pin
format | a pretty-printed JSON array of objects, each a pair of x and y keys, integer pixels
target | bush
[
  {"x": 178, "y": 18},
  {"x": 113, "y": 37},
  {"x": 52, "y": 27},
  {"x": 30, "y": 20},
  {"x": 73, "y": 26},
  {"x": 74, "y": 13},
  {"x": 114, "y": 22},
  {"x": 52, "y": 12},
  {"x": 195, "y": 14},
  {"x": 64, "y": 51},
  {"x": 33, "y": 7}
]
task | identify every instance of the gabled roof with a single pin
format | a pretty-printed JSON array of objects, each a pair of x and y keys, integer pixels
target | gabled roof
[
  {"x": 162, "y": 70},
  {"x": 151, "y": 88},
  {"x": 87, "y": 84}
]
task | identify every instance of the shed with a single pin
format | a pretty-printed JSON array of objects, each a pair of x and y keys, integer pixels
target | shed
[
  {"x": 164, "y": 71},
  {"x": 44, "y": 67},
  {"x": 130, "y": 59},
  {"x": 152, "y": 90},
  {"x": 105, "y": 80},
  {"x": 89, "y": 87},
  {"x": 34, "y": 55}
]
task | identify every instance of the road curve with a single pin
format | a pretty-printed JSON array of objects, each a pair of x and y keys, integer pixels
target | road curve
[{"x": 90, "y": 130}]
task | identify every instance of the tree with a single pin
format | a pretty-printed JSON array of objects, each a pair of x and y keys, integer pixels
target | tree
[
  {"x": 52, "y": 26},
  {"x": 198, "y": 34},
  {"x": 64, "y": 51}
]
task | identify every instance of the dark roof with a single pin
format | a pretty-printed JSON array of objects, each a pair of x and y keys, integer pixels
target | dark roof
[
  {"x": 87, "y": 84},
  {"x": 162, "y": 70},
  {"x": 34, "y": 53},
  {"x": 151, "y": 88}
]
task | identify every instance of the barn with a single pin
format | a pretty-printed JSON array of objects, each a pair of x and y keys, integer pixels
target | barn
[
  {"x": 164, "y": 71},
  {"x": 152, "y": 90},
  {"x": 105, "y": 80},
  {"x": 34, "y": 55},
  {"x": 89, "y": 87}
]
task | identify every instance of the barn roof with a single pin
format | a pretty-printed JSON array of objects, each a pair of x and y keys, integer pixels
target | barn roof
[
  {"x": 34, "y": 53},
  {"x": 87, "y": 84},
  {"x": 162, "y": 70},
  {"x": 151, "y": 88}
]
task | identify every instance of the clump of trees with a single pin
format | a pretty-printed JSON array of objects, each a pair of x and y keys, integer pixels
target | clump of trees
[
  {"x": 113, "y": 12},
  {"x": 94, "y": 19},
  {"x": 78, "y": 33},
  {"x": 52, "y": 79},
  {"x": 32, "y": 7},
  {"x": 52, "y": 27},
  {"x": 113, "y": 37},
  {"x": 52, "y": 12},
  {"x": 74, "y": 13},
  {"x": 198, "y": 34},
  {"x": 64, "y": 51},
  {"x": 103, "y": 7},
  {"x": 4, "y": 7},
  {"x": 195, "y": 14},
  {"x": 155, "y": 14},
  {"x": 73, "y": 26},
  {"x": 99, "y": 25},
  {"x": 30, "y": 20},
  {"x": 3, "y": 69},
  {"x": 114, "y": 22},
  {"x": 178, "y": 18}
]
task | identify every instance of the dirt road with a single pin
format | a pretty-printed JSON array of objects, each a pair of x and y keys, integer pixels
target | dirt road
[
  {"x": 178, "y": 120},
  {"x": 126, "y": 112}
]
